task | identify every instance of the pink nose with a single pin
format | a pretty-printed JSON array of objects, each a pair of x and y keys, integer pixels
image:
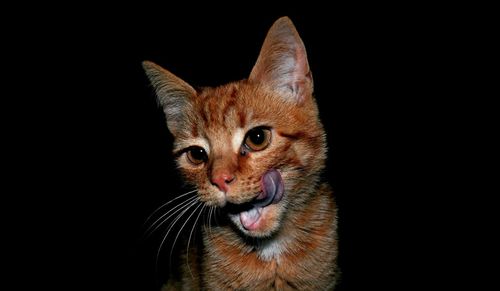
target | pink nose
[{"x": 222, "y": 180}]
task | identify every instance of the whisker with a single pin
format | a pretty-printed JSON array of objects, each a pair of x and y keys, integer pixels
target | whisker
[
  {"x": 210, "y": 219},
  {"x": 167, "y": 203},
  {"x": 186, "y": 208},
  {"x": 189, "y": 241},
  {"x": 207, "y": 218},
  {"x": 175, "y": 210},
  {"x": 180, "y": 230},
  {"x": 216, "y": 210}
]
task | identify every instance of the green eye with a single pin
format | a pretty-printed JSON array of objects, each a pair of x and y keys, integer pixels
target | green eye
[
  {"x": 196, "y": 155},
  {"x": 258, "y": 138}
]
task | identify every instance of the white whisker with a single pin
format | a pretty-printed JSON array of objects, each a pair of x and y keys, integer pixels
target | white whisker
[
  {"x": 189, "y": 241},
  {"x": 184, "y": 224},
  {"x": 215, "y": 215},
  {"x": 205, "y": 222},
  {"x": 174, "y": 210},
  {"x": 207, "y": 218},
  {"x": 186, "y": 208},
  {"x": 167, "y": 203},
  {"x": 180, "y": 230},
  {"x": 210, "y": 219}
]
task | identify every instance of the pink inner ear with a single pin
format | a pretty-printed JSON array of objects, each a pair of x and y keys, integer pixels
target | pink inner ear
[
  {"x": 282, "y": 62},
  {"x": 302, "y": 77}
]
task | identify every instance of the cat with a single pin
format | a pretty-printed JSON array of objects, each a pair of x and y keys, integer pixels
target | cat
[{"x": 255, "y": 149}]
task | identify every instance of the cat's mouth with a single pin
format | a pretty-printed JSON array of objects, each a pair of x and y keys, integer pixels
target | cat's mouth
[{"x": 250, "y": 213}]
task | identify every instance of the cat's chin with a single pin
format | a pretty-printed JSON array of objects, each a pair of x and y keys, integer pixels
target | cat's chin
[
  {"x": 260, "y": 217},
  {"x": 258, "y": 221}
]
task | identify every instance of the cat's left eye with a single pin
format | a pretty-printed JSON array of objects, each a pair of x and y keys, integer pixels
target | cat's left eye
[
  {"x": 258, "y": 138},
  {"x": 196, "y": 155}
]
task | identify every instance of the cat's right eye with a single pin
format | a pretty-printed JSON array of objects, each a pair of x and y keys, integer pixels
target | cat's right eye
[
  {"x": 196, "y": 155},
  {"x": 258, "y": 138}
]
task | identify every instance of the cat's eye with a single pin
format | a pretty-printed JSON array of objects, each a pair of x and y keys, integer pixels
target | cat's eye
[
  {"x": 258, "y": 138},
  {"x": 196, "y": 155}
]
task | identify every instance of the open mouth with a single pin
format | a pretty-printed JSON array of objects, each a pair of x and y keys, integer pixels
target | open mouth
[{"x": 272, "y": 192}]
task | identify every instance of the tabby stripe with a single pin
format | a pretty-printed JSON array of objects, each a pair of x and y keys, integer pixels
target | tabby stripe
[{"x": 293, "y": 135}]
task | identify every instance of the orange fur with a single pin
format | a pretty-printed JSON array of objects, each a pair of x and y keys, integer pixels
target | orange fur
[{"x": 294, "y": 245}]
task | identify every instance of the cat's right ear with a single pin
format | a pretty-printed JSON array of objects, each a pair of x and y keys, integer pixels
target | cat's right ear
[
  {"x": 282, "y": 63},
  {"x": 174, "y": 95}
]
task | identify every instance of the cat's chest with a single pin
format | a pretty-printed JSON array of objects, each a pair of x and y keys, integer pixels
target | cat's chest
[
  {"x": 272, "y": 250},
  {"x": 270, "y": 266}
]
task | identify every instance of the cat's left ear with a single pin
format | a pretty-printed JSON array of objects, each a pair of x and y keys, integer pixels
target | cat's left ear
[
  {"x": 282, "y": 63},
  {"x": 174, "y": 95}
]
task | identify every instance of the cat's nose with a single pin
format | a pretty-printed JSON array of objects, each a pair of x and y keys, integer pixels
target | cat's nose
[{"x": 222, "y": 180}]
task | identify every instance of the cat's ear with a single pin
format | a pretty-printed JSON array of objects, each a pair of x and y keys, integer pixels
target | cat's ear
[
  {"x": 174, "y": 95},
  {"x": 282, "y": 62}
]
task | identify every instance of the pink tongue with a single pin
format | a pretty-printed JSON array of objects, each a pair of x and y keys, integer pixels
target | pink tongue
[
  {"x": 272, "y": 192},
  {"x": 249, "y": 218}
]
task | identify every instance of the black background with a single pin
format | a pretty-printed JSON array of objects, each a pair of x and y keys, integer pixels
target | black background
[{"x": 95, "y": 152}]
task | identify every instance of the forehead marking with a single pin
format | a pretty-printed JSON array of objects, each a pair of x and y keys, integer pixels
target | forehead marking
[{"x": 237, "y": 139}]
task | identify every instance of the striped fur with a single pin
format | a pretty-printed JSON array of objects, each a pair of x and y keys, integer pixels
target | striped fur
[{"x": 295, "y": 246}]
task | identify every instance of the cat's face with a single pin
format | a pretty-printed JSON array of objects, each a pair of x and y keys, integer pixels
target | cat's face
[
  {"x": 255, "y": 147},
  {"x": 245, "y": 141}
]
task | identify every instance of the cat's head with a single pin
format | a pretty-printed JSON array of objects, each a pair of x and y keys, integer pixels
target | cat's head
[{"x": 254, "y": 147}]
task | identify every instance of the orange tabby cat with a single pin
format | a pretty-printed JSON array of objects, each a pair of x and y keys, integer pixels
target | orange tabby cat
[{"x": 255, "y": 149}]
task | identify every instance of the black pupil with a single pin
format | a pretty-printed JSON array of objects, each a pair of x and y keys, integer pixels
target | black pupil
[
  {"x": 198, "y": 154},
  {"x": 257, "y": 136}
]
